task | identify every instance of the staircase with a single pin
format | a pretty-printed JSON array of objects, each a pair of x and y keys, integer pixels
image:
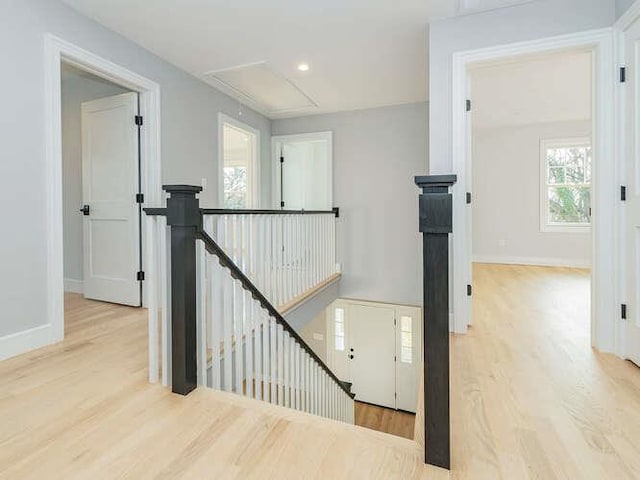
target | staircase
[{"x": 215, "y": 278}]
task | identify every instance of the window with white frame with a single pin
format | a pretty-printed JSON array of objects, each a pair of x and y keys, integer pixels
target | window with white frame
[
  {"x": 338, "y": 329},
  {"x": 240, "y": 164},
  {"x": 566, "y": 166}
]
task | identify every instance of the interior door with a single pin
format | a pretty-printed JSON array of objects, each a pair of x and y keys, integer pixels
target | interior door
[
  {"x": 372, "y": 338},
  {"x": 110, "y": 173},
  {"x": 304, "y": 179},
  {"x": 632, "y": 209}
]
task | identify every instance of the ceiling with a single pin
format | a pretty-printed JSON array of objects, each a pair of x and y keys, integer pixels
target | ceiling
[
  {"x": 361, "y": 53},
  {"x": 545, "y": 89}
]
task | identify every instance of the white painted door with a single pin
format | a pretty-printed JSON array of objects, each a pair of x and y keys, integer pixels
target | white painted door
[
  {"x": 372, "y": 338},
  {"x": 409, "y": 356},
  {"x": 632, "y": 206},
  {"x": 303, "y": 178},
  {"x": 109, "y": 187}
]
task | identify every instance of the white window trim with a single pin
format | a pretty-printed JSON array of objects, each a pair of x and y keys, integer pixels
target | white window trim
[
  {"x": 545, "y": 225},
  {"x": 255, "y": 161}
]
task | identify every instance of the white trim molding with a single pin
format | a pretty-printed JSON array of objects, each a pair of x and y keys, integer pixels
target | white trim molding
[
  {"x": 604, "y": 298},
  {"x": 57, "y": 50},
  {"x": 535, "y": 261},
  {"x": 21, "y": 342}
]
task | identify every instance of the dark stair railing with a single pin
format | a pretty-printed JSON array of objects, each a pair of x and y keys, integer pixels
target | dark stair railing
[{"x": 184, "y": 217}]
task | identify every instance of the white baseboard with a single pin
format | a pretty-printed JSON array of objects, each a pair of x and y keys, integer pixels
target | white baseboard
[
  {"x": 73, "y": 286},
  {"x": 25, "y": 341},
  {"x": 537, "y": 261}
]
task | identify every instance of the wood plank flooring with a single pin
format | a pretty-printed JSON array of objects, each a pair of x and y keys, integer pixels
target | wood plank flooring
[
  {"x": 530, "y": 400},
  {"x": 385, "y": 420}
]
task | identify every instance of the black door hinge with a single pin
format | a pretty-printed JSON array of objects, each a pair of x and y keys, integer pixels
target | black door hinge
[
  {"x": 468, "y": 105},
  {"x": 469, "y": 290},
  {"x": 623, "y": 74},
  {"x": 281, "y": 204},
  {"x": 139, "y": 197},
  {"x": 140, "y": 276},
  {"x": 623, "y": 193},
  {"x": 468, "y": 198},
  {"x": 281, "y": 159},
  {"x": 623, "y": 311},
  {"x": 138, "y": 120}
]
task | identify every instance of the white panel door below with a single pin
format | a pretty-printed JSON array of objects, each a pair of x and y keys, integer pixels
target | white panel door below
[
  {"x": 109, "y": 184},
  {"x": 372, "y": 337}
]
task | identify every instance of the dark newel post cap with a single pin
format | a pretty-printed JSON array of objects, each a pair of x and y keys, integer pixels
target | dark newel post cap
[
  {"x": 431, "y": 181},
  {"x": 185, "y": 189}
]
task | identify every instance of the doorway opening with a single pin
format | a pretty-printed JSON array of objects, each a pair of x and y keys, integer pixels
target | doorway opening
[
  {"x": 377, "y": 349},
  {"x": 135, "y": 183},
  {"x": 101, "y": 188},
  {"x": 303, "y": 171},
  {"x": 240, "y": 167}
]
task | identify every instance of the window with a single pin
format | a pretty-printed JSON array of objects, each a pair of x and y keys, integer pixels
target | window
[
  {"x": 338, "y": 329},
  {"x": 566, "y": 185},
  {"x": 239, "y": 148},
  {"x": 406, "y": 339}
]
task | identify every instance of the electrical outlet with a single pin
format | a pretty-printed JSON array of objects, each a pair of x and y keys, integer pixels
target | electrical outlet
[{"x": 203, "y": 183}]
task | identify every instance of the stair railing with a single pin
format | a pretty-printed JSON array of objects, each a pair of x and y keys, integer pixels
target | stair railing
[
  {"x": 285, "y": 253},
  {"x": 210, "y": 325}
]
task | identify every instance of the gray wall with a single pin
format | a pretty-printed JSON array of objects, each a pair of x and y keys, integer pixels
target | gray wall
[
  {"x": 530, "y": 21},
  {"x": 622, "y": 6},
  {"x": 189, "y": 139},
  {"x": 317, "y": 325},
  {"x": 506, "y": 186},
  {"x": 377, "y": 152},
  {"x": 76, "y": 89}
]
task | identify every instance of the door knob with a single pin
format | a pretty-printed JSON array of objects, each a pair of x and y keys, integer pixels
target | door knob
[
  {"x": 85, "y": 209},
  {"x": 351, "y": 357}
]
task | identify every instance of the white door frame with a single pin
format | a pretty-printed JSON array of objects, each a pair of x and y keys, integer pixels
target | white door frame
[
  {"x": 623, "y": 23},
  {"x": 604, "y": 278},
  {"x": 255, "y": 181},
  {"x": 275, "y": 159},
  {"x": 57, "y": 50}
]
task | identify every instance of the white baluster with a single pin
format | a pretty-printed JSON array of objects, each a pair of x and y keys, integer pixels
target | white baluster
[
  {"x": 257, "y": 351},
  {"x": 287, "y": 368},
  {"x": 266, "y": 362},
  {"x": 280, "y": 367},
  {"x": 228, "y": 330},
  {"x": 238, "y": 340},
  {"x": 248, "y": 343},
  {"x": 201, "y": 314},
  {"x": 273, "y": 357},
  {"x": 164, "y": 233},
  {"x": 152, "y": 300},
  {"x": 216, "y": 313},
  {"x": 296, "y": 377}
]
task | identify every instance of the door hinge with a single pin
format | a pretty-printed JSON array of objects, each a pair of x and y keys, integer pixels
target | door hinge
[
  {"x": 281, "y": 159},
  {"x": 395, "y": 358},
  {"x": 623, "y": 74},
  {"x": 623, "y": 193},
  {"x": 468, "y": 198},
  {"x": 140, "y": 276},
  {"x": 282, "y": 204},
  {"x": 139, "y": 197},
  {"x": 623, "y": 311},
  {"x": 468, "y": 105},
  {"x": 469, "y": 290},
  {"x": 139, "y": 121}
]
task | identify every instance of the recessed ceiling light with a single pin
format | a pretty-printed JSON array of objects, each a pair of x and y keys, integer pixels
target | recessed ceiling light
[{"x": 303, "y": 67}]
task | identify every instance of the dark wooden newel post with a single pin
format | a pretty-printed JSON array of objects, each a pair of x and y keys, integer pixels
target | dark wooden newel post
[
  {"x": 183, "y": 216},
  {"x": 436, "y": 225}
]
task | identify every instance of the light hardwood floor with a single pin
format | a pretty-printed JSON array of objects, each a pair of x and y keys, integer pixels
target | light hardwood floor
[
  {"x": 385, "y": 420},
  {"x": 530, "y": 399}
]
